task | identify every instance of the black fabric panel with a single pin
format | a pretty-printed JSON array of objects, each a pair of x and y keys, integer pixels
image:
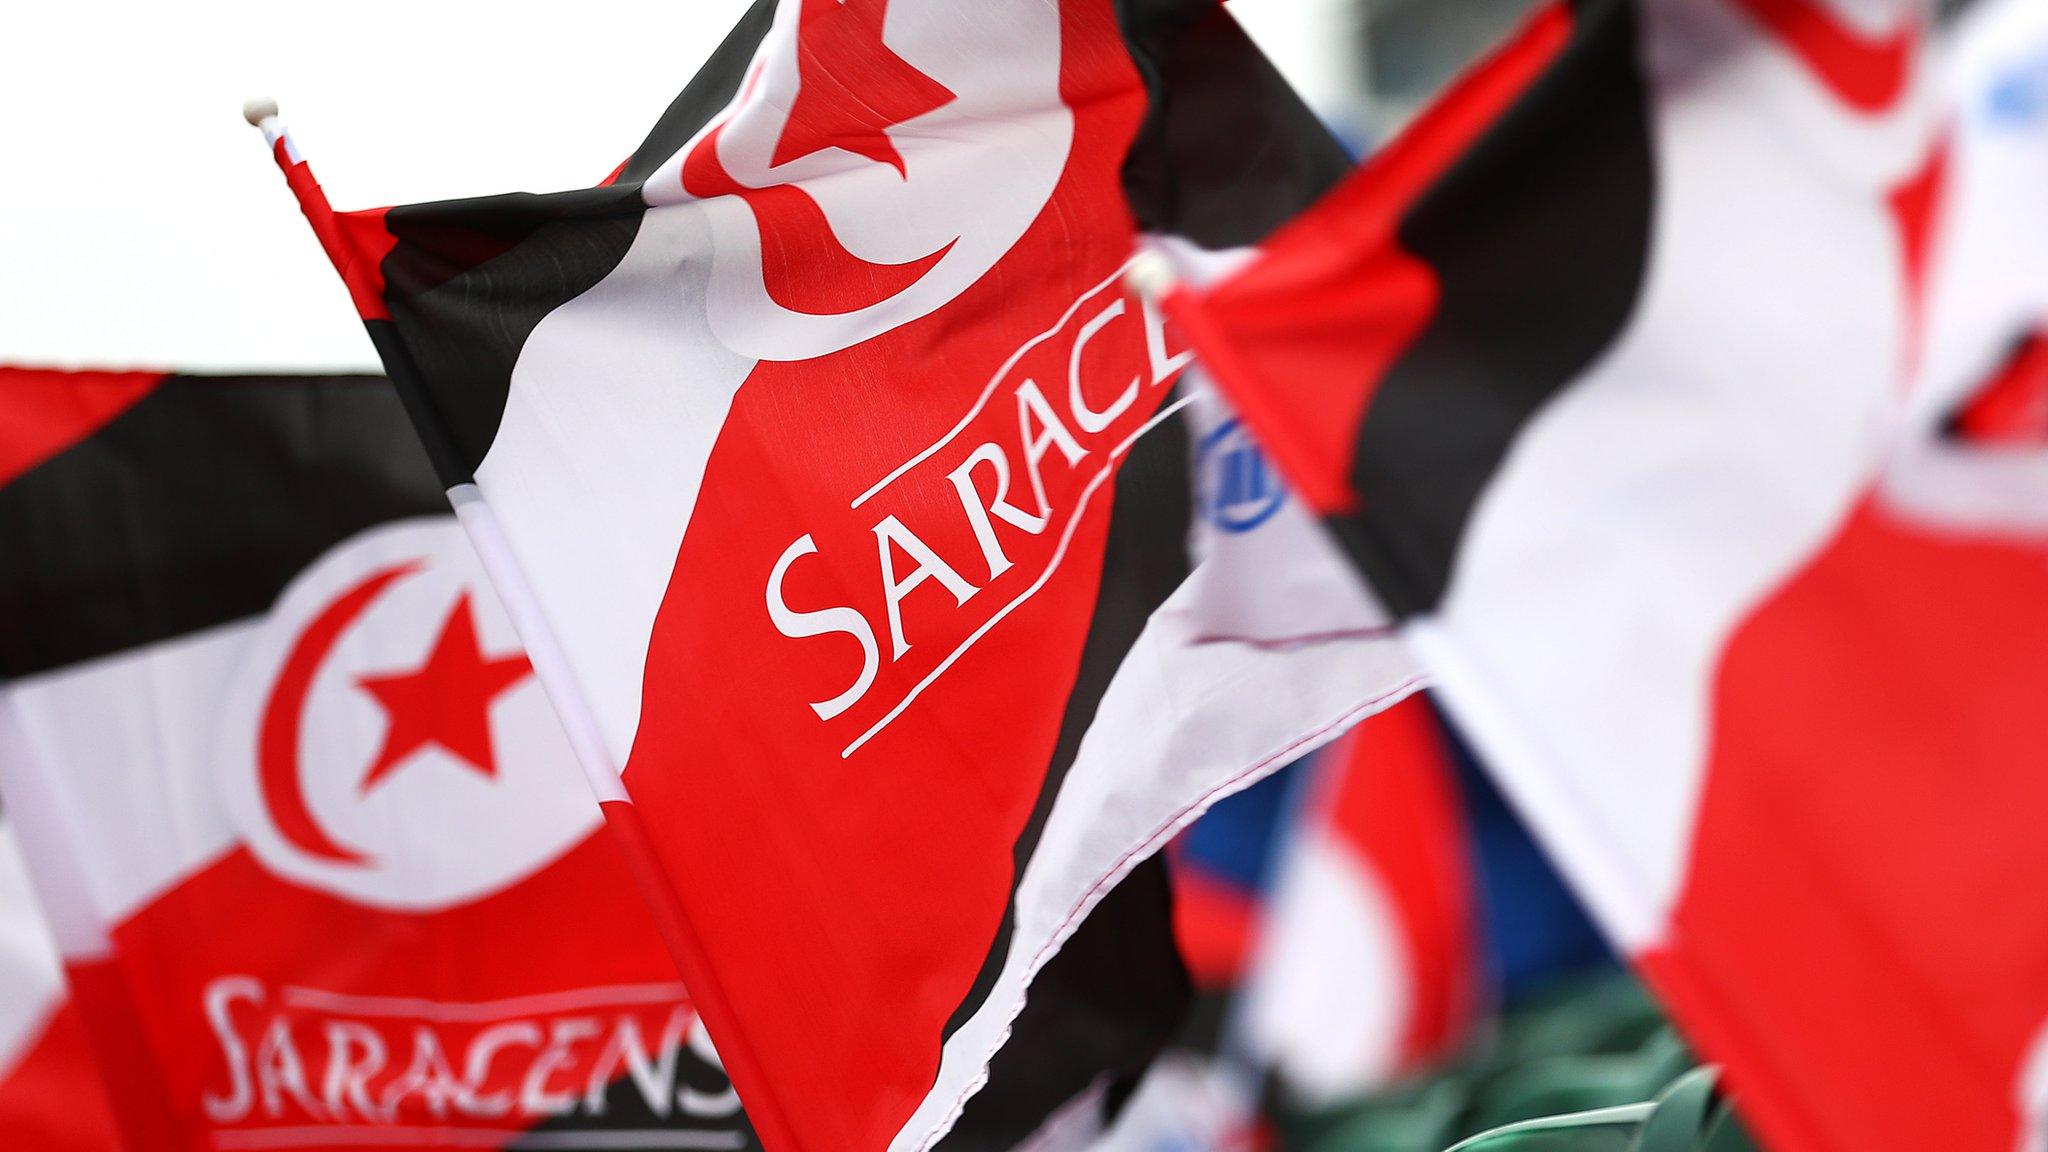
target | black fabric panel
[
  {"x": 1227, "y": 151},
  {"x": 469, "y": 280},
  {"x": 1103, "y": 1006},
  {"x": 1145, "y": 558},
  {"x": 705, "y": 96},
  {"x": 196, "y": 507},
  {"x": 1209, "y": 89},
  {"x": 1539, "y": 237},
  {"x": 1121, "y": 995},
  {"x": 466, "y": 286}
]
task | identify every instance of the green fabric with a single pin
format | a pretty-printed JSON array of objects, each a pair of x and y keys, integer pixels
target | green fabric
[
  {"x": 1687, "y": 1116},
  {"x": 1600, "y": 1130},
  {"x": 1590, "y": 1068}
]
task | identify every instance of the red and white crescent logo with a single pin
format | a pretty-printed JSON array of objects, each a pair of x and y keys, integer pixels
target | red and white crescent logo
[
  {"x": 881, "y": 156},
  {"x": 385, "y": 739}
]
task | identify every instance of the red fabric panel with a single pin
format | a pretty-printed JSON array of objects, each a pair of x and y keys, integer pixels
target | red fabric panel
[
  {"x": 1867, "y": 73},
  {"x": 1848, "y": 939},
  {"x": 355, "y": 242},
  {"x": 1216, "y": 924},
  {"x": 52, "y": 1100},
  {"x": 43, "y": 411},
  {"x": 1396, "y": 805},
  {"x": 148, "y": 1011},
  {"x": 2013, "y": 408},
  {"x": 1336, "y": 300}
]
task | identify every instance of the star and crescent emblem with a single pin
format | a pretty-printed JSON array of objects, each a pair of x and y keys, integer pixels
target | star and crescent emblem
[{"x": 443, "y": 702}]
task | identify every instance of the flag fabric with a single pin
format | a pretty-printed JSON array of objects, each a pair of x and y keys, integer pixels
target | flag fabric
[
  {"x": 1988, "y": 318},
  {"x": 1369, "y": 964},
  {"x": 1329, "y": 916},
  {"x": 1222, "y": 868},
  {"x": 1597, "y": 375},
  {"x": 311, "y": 840},
  {"x": 51, "y": 1099},
  {"x": 833, "y": 469}
]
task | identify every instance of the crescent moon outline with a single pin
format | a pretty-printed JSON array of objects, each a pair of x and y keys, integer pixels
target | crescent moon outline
[{"x": 277, "y": 746}]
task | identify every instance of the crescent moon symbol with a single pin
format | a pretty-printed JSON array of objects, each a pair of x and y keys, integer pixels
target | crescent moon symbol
[{"x": 277, "y": 749}]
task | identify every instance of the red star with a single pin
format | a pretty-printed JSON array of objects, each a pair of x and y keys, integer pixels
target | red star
[
  {"x": 446, "y": 701},
  {"x": 850, "y": 87}
]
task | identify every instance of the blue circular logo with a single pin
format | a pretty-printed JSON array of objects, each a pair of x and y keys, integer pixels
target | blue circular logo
[
  {"x": 2018, "y": 96},
  {"x": 1236, "y": 485}
]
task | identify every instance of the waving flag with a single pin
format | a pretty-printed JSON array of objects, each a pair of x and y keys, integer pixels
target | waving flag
[
  {"x": 312, "y": 843},
  {"x": 1595, "y": 374},
  {"x": 51, "y": 1099},
  {"x": 831, "y": 468}
]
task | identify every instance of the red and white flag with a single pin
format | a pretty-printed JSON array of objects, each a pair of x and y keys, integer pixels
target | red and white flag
[
  {"x": 310, "y": 838},
  {"x": 832, "y": 469},
  {"x": 1597, "y": 374},
  {"x": 1368, "y": 964},
  {"x": 51, "y": 1099}
]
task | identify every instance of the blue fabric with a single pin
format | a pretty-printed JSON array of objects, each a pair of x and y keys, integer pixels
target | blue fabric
[
  {"x": 1534, "y": 929},
  {"x": 1233, "y": 842}
]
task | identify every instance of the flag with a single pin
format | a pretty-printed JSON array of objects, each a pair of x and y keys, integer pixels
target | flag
[
  {"x": 50, "y": 1094},
  {"x": 1598, "y": 374},
  {"x": 312, "y": 843},
  {"x": 1369, "y": 964},
  {"x": 831, "y": 464}
]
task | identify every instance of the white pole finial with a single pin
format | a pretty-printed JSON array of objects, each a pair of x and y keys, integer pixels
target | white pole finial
[
  {"x": 1151, "y": 274},
  {"x": 262, "y": 112},
  {"x": 259, "y": 109}
]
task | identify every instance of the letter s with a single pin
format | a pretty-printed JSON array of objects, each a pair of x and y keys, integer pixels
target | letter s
[
  {"x": 220, "y": 995},
  {"x": 822, "y": 622}
]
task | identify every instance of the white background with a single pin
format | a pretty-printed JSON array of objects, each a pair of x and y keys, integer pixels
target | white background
[{"x": 142, "y": 223}]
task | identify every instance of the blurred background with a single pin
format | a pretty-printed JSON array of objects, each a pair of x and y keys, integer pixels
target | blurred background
[{"x": 145, "y": 225}]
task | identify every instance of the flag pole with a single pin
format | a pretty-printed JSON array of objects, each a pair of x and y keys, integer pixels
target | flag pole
[
  {"x": 544, "y": 652},
  {"x": 298, "y": 175},
  {"x": 1234, "y": 1079},
  {"x": 358, "y": 274}
]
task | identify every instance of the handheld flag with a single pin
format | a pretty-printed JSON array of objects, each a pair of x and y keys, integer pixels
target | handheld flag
[
  {"x": 831, "y": 471},
  {"x": 1597, "y": 375},
  {"x": 311, "y": 841}
]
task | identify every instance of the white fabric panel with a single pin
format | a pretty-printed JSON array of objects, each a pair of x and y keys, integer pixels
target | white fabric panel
[
  {"x": 1180, "y": 719},
  {"x": 31, "y": 983},
  {"x": 611, "y": 485},
  {"x": 1000, "y": 59},
  {"x": 133, "y": 800},
  {"x": 1268, "y": 574},
  {"x": 1658, "y": 498},
  {"x": 1330, "y": 994},
  {"x": 1184, "y": 1103},
  {"x": 1989, "y": 279}
]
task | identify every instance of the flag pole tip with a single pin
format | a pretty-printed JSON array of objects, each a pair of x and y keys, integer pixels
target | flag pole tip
[
  {"x": 1151, "y": 274},
  {"x": 258, "y": 110}
]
